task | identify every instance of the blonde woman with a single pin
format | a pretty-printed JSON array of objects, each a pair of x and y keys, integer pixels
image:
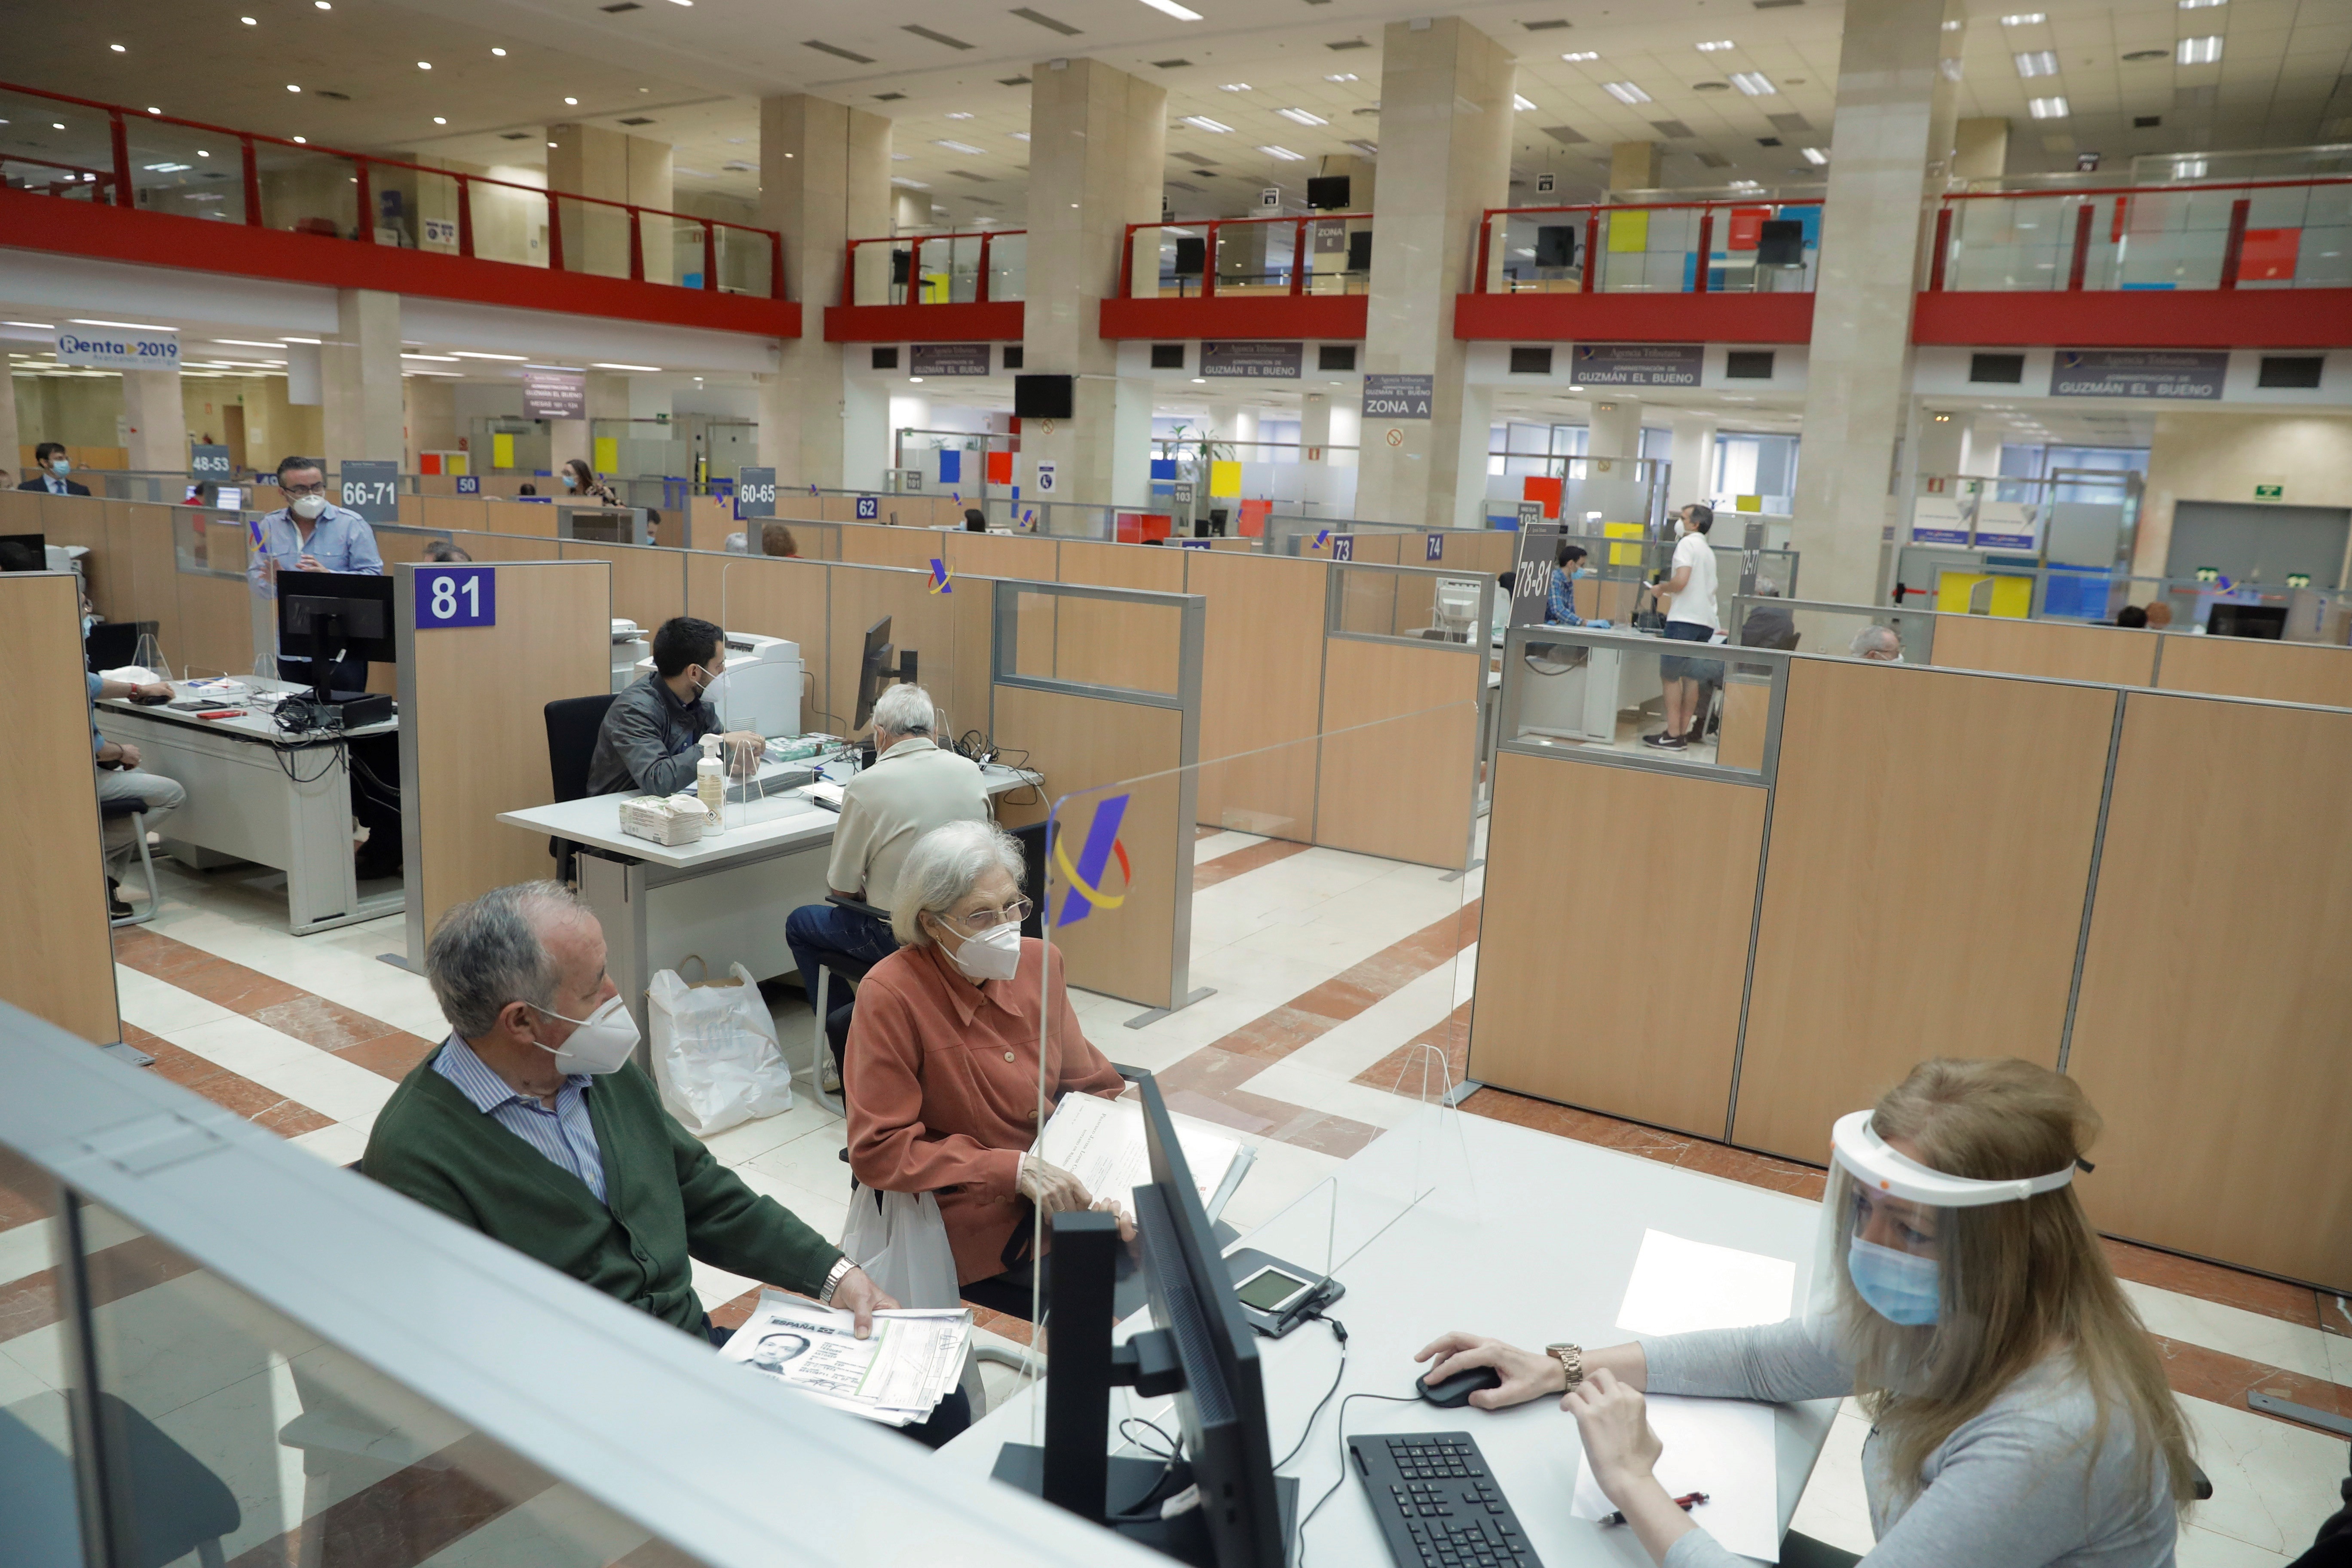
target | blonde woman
[{"x": 2020, "y": 1414}]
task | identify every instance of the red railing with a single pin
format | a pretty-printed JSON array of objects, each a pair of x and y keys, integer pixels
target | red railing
[
  {"x": 122, "y": 189},
  {"x": 913, "y": 244},
  {"x": 1211, "y": 228},
  {"x": 2186, "y": 235},
  {"x": 1743, "y": 225}
]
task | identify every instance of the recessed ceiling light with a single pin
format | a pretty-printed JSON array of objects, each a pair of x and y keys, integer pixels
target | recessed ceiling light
[
  {"x": 425, "y": 65},
  {"x": 2037, "y": 62},
  {"x": 1815, "y": 156},
  {"x": 2201, "y": 4},
  {"x": 500, "y": 53},
  {"x": 1202, "y": 122},
  {"x": 1711, "y": 47},
  {"x": 464, "y": 353},
  {"x": 1521, "y": 102},
  {"x": 297, "y": 340},
  {"x": 118, "y": 49},
  {"x": 2201, "y": 51},
  {"x": 1342, "y": 76},
  {"x": 1181, "y": 13},
  {"x": 961, "y": 114},
  {"x": 439, "y": 120},
  {"x": 248, "y": 21},
  {"x": 1244, "y": 87},
  {"x": 323, "y": 5},
  {"x": 964, "y": 147},
  {"x": 1624, "y": 92},
  {"x": 1755, "y": 84},
  {"x": 304, "y": 140},
  {"x": 572, "y": 101},
  {"x": 289, "y": 86},
  {"x": 909, "y": 184},
  {"x": 1284, "y": 153},
  {"x": 1018, "y": 135},
  {"x": 1582, "y": 55},
  {"x": 2022, "y": 19},
  {"x": 1302, "y": 117},
  {"x": 2047, "y": 108},
  {"x": 438, "y": 359}
]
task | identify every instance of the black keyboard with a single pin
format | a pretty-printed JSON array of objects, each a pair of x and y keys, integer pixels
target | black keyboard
[{"x": 1437, "y": 1505}]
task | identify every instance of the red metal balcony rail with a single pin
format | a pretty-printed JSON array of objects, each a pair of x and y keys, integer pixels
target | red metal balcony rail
[
  {"x": 1297, "y": 273},
  {"x": 908, "y": 291},
  {"x": 2263, "y": 233},
  {"x": 121, "y": 190},
  {"x": 1653, "y": 247}
]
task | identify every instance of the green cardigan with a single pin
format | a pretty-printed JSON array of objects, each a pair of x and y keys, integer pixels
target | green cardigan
[{"x": 667, "y": 1197}]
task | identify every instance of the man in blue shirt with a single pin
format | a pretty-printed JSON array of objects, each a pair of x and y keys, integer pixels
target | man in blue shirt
[
  {"x": 310, "y": 533},
  {"x": 1559, "y": 608}
]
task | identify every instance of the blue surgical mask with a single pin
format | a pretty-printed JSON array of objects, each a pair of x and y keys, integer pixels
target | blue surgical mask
[
  {"x": 1898, "y": 1286},
  {"x": 1582, "y": 572},
  {"x": 61, "y": 464},
  {"x": 87, "y": 623}
]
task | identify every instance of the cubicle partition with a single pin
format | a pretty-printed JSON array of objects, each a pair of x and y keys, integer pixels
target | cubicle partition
[
  {"x": 473, "y": 741},
  {"x": 1749, "y": 939},
  {"x": 58, "y": 960}
]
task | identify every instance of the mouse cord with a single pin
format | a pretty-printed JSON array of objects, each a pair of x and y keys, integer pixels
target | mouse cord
[
  {"x": 1307, "y": 1518},
  {"x": 1339, "y": 1333}
]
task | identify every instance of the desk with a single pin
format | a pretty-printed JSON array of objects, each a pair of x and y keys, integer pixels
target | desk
[
  {"x": 242, "y": 804},
  {"x": 1473, "y": 1254},
  {"x": 724, "y": 897}
]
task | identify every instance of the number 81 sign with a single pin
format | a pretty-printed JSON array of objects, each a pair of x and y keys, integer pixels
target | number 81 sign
[{"x": 457, "y": 596}]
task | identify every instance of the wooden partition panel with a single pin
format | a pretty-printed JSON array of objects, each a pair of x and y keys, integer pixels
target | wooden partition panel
[
  {"x": 2055, "y": 650},
  {"x": 1088, "y": 747},
  {"x": 2209, "y": 1031},
  {"x": 920, "y": 619},
  {"x": 1154, "y": 569},
  {"x": 1577, "y": 1004},
  {"x": 411, "y": 506},
  {"x": 1260, "y": 690},
  {"x": 1491, "y": 551},
  {"x": 399, "y": 544},
  {"x": 911, "y": 549},
  {"x": 712, "y": 520},
  {"x": 536, "y": 519},
  {"x": 774, "y": 598},
  {"x": 507, "y": 547},
  {"x": 59, "y": 961},
  {"x": 1020, "y": 555},
  {"x": 648, "y": 582},
  {"x": 1111, "y": 644},
  {"x": 20, "y": 512},
  {"x": 1401, "y": 788},
  {"x": 217, "y": 617},
  {"x": 144, "y": 571},
  {"x": 64, "y": 520},
  {"x": 473, "y": 515},
  {"x": 1930, "y": 854},
  {"x": 473, "y": 708},
  {"x": 2246, "y": 667}
]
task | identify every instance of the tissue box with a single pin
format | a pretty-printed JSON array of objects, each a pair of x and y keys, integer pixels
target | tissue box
[{"x": 668, "y": 820}]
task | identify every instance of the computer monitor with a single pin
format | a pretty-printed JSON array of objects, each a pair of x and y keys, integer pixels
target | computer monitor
[
  {"x": 2265, "y": 621},
  {"x": 23, "y": 552},
  {"x": 875, "y": 671},
  {"x": 326, "y": 615}
]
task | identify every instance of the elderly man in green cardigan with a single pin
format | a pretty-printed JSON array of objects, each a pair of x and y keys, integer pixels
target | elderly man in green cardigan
[{"x": 532, "y": 1125}]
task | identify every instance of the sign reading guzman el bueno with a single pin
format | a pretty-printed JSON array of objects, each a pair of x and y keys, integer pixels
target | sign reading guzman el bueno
[
  {"x": 1636, "y": 364},
  {"x": 1259, "y": 360},
  {"x": 2195, "y": 375}
]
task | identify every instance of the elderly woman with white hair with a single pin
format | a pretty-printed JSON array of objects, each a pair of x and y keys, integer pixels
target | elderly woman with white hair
[{"x": 943, "y": 1070}]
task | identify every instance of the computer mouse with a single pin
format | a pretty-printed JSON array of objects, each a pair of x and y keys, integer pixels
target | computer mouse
[{"x": 1456, "y": 1391}]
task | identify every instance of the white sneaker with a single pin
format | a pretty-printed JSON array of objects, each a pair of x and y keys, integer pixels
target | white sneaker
[{"x": 828, "y": 1076}]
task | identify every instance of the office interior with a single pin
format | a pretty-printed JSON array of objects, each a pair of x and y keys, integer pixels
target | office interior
[{"x": 1284, "y": 524}]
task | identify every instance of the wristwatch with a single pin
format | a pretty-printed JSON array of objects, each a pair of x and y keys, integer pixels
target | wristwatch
[
  {"x": 840, "y": 1272},
  {"x": 1571, "y": 1362}
]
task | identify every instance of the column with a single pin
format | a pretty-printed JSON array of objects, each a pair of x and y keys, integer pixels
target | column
[
  {"x": 157, "y": 422},
  {"x": 359, "y": 378},
  {"x": 1616, "y": 428},
  {"x": 607, "y": 398},
  {"x": 1892, "y": 142},
  {"x": 1634, "y": 166},
  {"x": 1692, "y": 478},
  {"x": 589, "y": 160},
  {"x": 1314, "y": 452},
  {"x": 1446, "y": 144},
  {"x": 432, "y": 403},
  {"x": 11, "y": 459},
  {"x": 824, "y": 180},
  {"x": 1096, "y": 140}
]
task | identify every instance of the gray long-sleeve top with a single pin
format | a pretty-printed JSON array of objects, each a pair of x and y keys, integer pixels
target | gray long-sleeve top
[
  {"x": 2008, "y": 1489},
  {"x": 648, "y": 741}
]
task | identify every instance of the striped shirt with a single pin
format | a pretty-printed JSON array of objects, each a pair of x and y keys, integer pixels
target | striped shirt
[{"x": 563, "y": 1134}]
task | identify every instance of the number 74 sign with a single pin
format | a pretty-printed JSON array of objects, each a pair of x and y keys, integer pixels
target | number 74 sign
[{"x": 457, "y": 596}]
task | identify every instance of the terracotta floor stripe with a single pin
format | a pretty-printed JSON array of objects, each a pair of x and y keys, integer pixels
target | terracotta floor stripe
[
  {"x": 290, "y": 1010},
  {"x": 1249, "y": 857},
  {"x": 232, "y": 1092}
]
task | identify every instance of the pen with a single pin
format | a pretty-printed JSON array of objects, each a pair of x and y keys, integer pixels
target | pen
[{"x": 1685, "y": 1503}]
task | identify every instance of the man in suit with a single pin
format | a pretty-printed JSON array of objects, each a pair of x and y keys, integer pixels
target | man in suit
[{"x": 50, "y": 457}]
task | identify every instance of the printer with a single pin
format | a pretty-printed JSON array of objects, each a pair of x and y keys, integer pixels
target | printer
[{"x": 760, "y": 690}]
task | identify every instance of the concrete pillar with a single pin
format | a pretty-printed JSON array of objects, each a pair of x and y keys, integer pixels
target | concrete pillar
[
  {"x": 1615, "y": 428},
  {"x": 432, "y": 409},
  {"x": 1635, "y": 166},
  {"x": 1980, "y": 149},
  {"x": 618, "y": 167},
  {"x": 1889, "y": 151},
  {"x": 1692, "y": 477},
  {"x": 1940, "y": 440},
  {"x": 156, "y": 421},
  {"x": 1445, "y": 146},
  {"x": 1980, "y": 446},
  {"x": 824, "y": 180},
  {"x": 1315, "y": 444},
  {"x": 358, "y": 377},
  {"x": 11, "y": 461},
  {"x": 1098, "y": 138},
  {"x": 608, "y": 398}
]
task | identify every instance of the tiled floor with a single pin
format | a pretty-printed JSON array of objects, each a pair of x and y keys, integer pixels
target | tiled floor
[{"x": 1342, "y": 986}]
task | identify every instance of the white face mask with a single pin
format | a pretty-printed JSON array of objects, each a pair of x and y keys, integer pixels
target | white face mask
[
  {"x": 308, "y": 508},
  {"x": 599, "y": 1044},
  {"x": 993, "y": 954}
]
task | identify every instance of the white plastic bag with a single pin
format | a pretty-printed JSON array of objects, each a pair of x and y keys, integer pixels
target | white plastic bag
[
  {"x": 715, "y": 1052},
  {"x": 902, "y": 1242}
]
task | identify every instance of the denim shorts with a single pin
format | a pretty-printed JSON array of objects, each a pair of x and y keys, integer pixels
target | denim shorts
[{"x": 1675, "y": 666}]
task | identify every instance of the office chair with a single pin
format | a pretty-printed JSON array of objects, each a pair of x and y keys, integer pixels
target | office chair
[
  {"x": 572, "y": 726},
  {"x": 136, "y": 810},
  {"x": 1031, "y": 839},
  {"x": 173, "y": 1504}
]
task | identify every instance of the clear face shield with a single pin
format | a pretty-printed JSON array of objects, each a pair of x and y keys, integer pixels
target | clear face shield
[{"x": 1890, "y": 1255}]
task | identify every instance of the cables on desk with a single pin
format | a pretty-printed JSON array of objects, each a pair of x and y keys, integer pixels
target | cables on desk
[{"x": 1341, "y": 1331}]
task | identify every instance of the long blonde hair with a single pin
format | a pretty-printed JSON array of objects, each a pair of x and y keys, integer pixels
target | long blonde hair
[{"x": 2023, "y": 1280}]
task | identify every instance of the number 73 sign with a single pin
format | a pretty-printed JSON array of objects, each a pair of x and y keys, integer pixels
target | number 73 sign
[{"x": 457, "y": 596}]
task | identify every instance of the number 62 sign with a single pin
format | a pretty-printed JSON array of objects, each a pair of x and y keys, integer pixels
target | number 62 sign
[{"x": 457, "y": 596}]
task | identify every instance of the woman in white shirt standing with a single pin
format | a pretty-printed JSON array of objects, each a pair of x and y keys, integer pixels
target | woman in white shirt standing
[{"x": 1690, "y": 617}]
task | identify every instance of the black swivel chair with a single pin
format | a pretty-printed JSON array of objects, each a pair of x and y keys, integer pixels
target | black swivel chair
[
  {"x": 174, "y": 1506},
  {"x": 572, "y": 726}
]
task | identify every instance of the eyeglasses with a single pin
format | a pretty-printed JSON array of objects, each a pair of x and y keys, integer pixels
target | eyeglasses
[
  {"x": 979, "y": 921},
  {"x": 317, "y": 489}
]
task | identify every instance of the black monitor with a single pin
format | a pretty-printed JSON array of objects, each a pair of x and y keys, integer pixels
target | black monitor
[
  {"x": 1556, "y": 244},
  {"x": 1199, "y": 1348},
  {"x": 23, "y": 552},
  {"x": 1045, "y": 396},
  {"x": 325, "y": 616},
  {"x": 1326, "y": 193},
  {"x": 875, "y": 671},
  {"x": 113, "y": 644},
  {"x": 2265, "y": 621}
]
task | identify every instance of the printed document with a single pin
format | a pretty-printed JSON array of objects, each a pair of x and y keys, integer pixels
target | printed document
[
  {"x": 896, "y": 1376},
  {"x": 1100, "y": 1142}
]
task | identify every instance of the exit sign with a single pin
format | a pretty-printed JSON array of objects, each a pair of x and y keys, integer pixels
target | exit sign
[{"x": 2270, "y": 492}]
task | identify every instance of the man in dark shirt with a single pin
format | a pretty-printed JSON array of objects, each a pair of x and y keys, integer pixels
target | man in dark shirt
[{"x": 649, "y": 739}]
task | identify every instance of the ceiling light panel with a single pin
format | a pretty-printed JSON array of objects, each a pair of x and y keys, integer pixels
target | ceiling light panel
[
  {"x": 2037, "y": 62},
  {"x": 2047, "y": 108},
  {"x": 1302, "y": 117},
  {"x": 2201, "y": 51},
  {"x": 1755, "y": 84},
  {"x": 1624, "y": 92}
]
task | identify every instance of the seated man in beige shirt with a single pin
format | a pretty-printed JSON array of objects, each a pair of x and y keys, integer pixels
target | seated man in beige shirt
[{"x": 912, "y": 787}]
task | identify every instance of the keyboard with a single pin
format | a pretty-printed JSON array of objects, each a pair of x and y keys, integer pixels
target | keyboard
[{"x": 1437, "y": 1505}]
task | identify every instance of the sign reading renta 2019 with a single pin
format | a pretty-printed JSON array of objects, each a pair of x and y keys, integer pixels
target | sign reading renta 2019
[
  {"x": 2190, "y": 373},
  {"x": 120, "y": 348}
]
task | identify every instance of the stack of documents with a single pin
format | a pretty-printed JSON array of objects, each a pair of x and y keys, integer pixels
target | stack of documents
[
  {"x": 1100, "y": 1142},
  {"x": 897, "y": 1376},
  {"x": 1723, "y": 1447}
]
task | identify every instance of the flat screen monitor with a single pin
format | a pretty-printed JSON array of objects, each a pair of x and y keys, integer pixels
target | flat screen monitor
[
  {"x": 23, "y": 552},
  {"x": 2264, "y": 621},
  {"x": 1556, "y": 244},
  {"x": 1326, "y": 193},
  {"x": 875, "y": 671},
  {"x": 601, "y": 527},
  {"x": 1045, "y": 396},
  {"x": 325, "y": 616}
]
